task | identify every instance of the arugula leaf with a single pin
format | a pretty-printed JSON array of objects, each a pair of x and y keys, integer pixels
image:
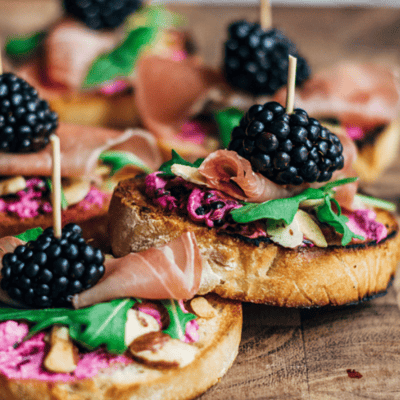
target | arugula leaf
[
  {"x": 94, "y": 326},
  {"x": 227, "y": 120},
  {"x": 279, "y": 209},
  {"x": 30, "y": 234},
  {"x": 177, "y": 159},
  {"x": 340, "y": 182},
  {"x": 24, "y": 45},
  {"x": 120, "y": 159},
  {"x": 177, "y": 319},
  {"x": 373, "y": 201},
  {"x": 64, "y": 202},
  {"x": 121, "y": 61},
  {"x": 284, "y": 209},
  {"x": 338, "y": 221}
]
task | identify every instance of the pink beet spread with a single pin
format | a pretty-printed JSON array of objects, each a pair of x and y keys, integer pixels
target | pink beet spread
[
  {"x": 194, "y": 132},
  {"x": 355, "y": 132},
  {"x": 363, "y": 223},
  {"x": 25, "y": 361},
  {"x": 31, "y": 203},
  {"x": 176, "y": 194}
]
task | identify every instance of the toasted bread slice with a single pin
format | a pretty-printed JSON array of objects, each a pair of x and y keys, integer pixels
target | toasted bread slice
[
  {"x": 267, "y": 273},
  {"x": 216, "y": 350}
]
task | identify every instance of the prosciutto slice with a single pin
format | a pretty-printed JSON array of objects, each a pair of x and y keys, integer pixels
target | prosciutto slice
[
  {"x": 71, "y": 48},
  {"x": 167, "y": 93},
  {"x": 232, "y": 174},
  {"x": 80, "y": 150},
  {"x": 172, "y": 271},
  {"x": 364, "y": 95}
]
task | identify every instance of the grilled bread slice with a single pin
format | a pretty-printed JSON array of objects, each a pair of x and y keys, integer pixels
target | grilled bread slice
[
  {"x": 220, "y": 325},
  {"x": 264, "y": 273}
]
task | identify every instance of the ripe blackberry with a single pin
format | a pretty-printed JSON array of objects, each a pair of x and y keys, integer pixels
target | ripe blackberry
[
  {"x": 47, "y": 272},
  {"x": 256, "y": 61},
  {"x": 101, "y": 14},
  {"x": 26, "y": 121},
  {"x": 287, "y": 149}
]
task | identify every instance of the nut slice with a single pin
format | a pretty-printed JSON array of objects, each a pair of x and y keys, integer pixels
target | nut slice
[
  {"x": 159, "y": 350},
  {"x": 63, "y": 355}
]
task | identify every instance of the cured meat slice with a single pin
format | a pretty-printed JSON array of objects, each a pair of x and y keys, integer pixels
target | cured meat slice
[
  {"x": 167, "y": 93},
  {"x": 166, "y": 90},
  {"x": 172, "y": 271},
  {"x": 357, "y": 94},
  {"x": 232, "y": 174},
  {"x": 80, "y": 150},
  {"x": 71, "y": 48}
]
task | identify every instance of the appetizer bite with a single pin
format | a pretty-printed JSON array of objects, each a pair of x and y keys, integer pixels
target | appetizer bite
[
  {"x": 126, "y": 347},
  {"x": 276, "y": 216},
  {"x": 85, "y": 63},
  {"x": 26, "y": 122}
]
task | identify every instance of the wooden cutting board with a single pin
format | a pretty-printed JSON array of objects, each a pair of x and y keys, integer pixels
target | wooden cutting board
[{"x": 332, "y": 353}]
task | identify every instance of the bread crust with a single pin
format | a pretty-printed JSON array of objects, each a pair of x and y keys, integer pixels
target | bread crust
[
  {"x": 217, "y": 349},
  {"x": 268, "y": 273}
]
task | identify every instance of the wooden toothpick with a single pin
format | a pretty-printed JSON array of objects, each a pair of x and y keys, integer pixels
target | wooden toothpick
[
  {"x": 291, "y": 84},
  {"x": 1, "y": 65},
  {"x": 266, "y": 15},
  {"x": 56, "y": 185}
]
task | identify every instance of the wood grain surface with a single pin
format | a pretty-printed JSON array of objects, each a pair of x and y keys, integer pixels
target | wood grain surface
[{"x": 332, "y": 353}]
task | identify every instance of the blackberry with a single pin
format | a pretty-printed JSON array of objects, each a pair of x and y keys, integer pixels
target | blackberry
[
  {"x": 101, "y": 14},
  {"x": 26, "y": 121},
  {"x": 48, "y": 276},
  {"x": 256, "y": 61},
  {"x": 287, "y": 149}
]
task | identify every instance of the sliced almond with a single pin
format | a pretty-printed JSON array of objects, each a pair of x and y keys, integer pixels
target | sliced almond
[
  {"x": 189, "y": 174},
  {"x": 12, "y": 185},
  {"x": 159, "y": 350},
  {"x": 137, "y": 324},
  {"x": 75, "y": 190},
  {"x": 285, "y": 235},
  {"x": 310, "y": 229},
  {"x": 202, "y": 308},
  {"x": 63, "y": 355}
]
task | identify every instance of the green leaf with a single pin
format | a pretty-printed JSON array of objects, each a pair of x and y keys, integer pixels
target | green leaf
[
  {"x": 24, "y": 45},
  {"x": 121, "y": 159},
  {"x": 227, "y": 120},
  {"x": 30, "y": 234},
  {"x": 177, "y": 159},
  {"x": 64, "y": 202},
  {"x": 338, "y": 221},
  {"x": 326, "y": 188},
  {"x": 278, "y": 209},
  {"x": 155, "y": 16},
  {"x": 121, "y": 61},
  {"x": 177, "y": 319},
  {"x": 101, "y": 324},
  {"x": 379, "y": 203},
  {"x": 284, "y": 209}
]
